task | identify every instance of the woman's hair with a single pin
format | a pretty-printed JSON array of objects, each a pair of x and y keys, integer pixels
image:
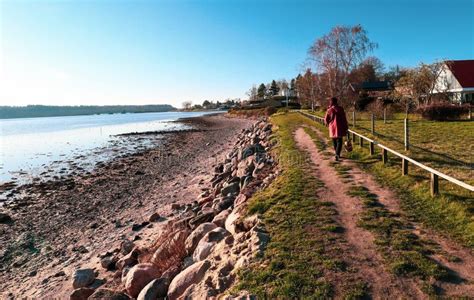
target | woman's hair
[{"x": 332, "y": 101}]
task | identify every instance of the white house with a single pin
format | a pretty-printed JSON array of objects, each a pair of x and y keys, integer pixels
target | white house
[{"x": 457, "y": 80}]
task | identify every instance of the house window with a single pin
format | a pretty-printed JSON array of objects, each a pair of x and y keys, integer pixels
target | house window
[{"x": 469, "y": 98}]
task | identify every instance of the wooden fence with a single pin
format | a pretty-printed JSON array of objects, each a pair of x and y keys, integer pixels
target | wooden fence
[{"x": 434, "y": 174}]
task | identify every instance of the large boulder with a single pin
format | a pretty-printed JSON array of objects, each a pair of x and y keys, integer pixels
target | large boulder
[
  {"x": 219, "y": 220},
  {"x": 157, "y": 288},
  {"x": 82, "y": 278},
  {"x": 186, "y": 278},
  {"x": 231, "y": 223},
  {"x": 139, "y": 276},
  {"x": 231, "y": 189},
  {"x": 198, "y": 233},
  {"x": 81, "y": 294},
  {"x": 108, "y": 294},
  {"x": 246, "y": 166},
  {"x": 206, "y": 244},
  {"x": 203, "y": 217}
]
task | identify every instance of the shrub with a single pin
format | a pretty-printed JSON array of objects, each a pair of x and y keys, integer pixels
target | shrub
[
  {"x": 270, "y": 110},
  {"x": 442, "y": 111},
  {"x": 377, "y": 108}
]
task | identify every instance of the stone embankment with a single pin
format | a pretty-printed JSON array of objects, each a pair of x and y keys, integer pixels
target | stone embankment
[{"x": 196, "y": 254}]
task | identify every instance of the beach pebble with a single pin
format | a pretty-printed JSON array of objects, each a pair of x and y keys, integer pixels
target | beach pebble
[
  {"x": 108, "y": 262},
  {"x": 5, "y": 218},
  {"x": 154, "y": 217},
  {"x": 126, "y": 247}
]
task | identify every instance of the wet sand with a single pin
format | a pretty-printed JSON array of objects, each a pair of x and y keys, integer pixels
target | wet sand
[{"x": 61, "y": 224}]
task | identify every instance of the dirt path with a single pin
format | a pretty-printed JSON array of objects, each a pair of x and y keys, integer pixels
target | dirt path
[
  {"x": 462, "y": 266},
  {"x": 362, "y": 253}
]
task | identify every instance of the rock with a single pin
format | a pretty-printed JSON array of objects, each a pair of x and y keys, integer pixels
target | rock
[
  {"x": 251, "y": 150},
  {"x": 82, "y": 278},
  {"x": 219, "y": 220},
  {"x": 5, "y": 218},
  {"x": 205, "y": 200},
  {"x": 224, "y": 203},
  {"x": 171, "y": 272},
  {"x": 81, "y": 294},
  {"x": 186, "y": 278},
  {"x": 170, "y": 250},
  {"x": 241, "y": 198},
  {"x": 154, "y": 217},
  {"x": 246, "y": 166},
  {"x": 126, "y": 247},
  {"x": 198, "y": 233},
  {"x": 139, "y": 276},
  {"x": 138, "y": 227},
  {"x": 108, "y": 294},
  {"x": 108, "y": 262},
  {"x": 205, "y": 245},
  {"x": 157, "y": 288},
  {"x": 205, "y": 216},
  {"x": 232, "y": 220},
  {"x": 232, "y": 188},
  {"x": 175, "y": 206},
  {"x": 128, "y": 260}
]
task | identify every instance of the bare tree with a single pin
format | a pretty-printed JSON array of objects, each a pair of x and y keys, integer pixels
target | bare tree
[
  {"x": 253, "y": 93},
  {"x": 187, "y": 105},
  {"x": 339, "y": 52}
]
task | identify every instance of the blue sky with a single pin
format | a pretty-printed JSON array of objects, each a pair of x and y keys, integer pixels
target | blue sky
[{"x": 143, "y": 52}]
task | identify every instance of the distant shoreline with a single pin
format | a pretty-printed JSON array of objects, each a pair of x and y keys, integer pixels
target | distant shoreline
[{"x": 40, "y": 111}]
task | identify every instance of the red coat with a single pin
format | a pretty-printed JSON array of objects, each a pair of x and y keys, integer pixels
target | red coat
[{"x": 335, "y": 119}]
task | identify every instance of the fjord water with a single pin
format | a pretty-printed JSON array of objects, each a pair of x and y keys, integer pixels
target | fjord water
[{"x": 30, "y": 146}]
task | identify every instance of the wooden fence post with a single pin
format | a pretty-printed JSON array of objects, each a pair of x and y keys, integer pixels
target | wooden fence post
[
  {"x": 404, "y": 166},
  {"x": 354, "y": 119},
  {"x": 372, "y": 119},
  {"x": 353, "y": 137},
  {"x": 361, "y": 142},
  {"x": 434, "y": 184},
  {"x": 407, "y": 135},
  {"x": 384, "y": 156},
  {"x": 385, "y": 115},
  {"x": 372, "y": 150}
]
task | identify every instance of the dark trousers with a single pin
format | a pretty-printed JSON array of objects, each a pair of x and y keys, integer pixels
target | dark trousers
[{"x": 337, "y": 143}]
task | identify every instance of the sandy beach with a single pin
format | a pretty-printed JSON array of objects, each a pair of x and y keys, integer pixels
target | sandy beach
[{"x": 60, "y": 225}]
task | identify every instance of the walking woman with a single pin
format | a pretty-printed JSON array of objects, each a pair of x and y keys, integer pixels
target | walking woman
[{"x": 335, "y": 119}]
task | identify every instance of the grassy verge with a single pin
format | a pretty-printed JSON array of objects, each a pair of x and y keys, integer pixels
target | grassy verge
[
  {"x": 452, "y": 212},
  {"x": 303, "y": 258},
  {"x": 445, "y": 146}
]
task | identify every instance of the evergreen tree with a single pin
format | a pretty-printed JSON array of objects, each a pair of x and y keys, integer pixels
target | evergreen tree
[
  {"x": 274, "y": 88},
  {"x": 261, "y": 91}
]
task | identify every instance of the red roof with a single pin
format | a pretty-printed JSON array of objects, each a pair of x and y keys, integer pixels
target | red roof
[{"x": 463, "y": 70}]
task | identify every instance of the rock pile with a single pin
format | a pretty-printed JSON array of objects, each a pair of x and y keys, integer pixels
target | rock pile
[{"x": 198, "y": 253}]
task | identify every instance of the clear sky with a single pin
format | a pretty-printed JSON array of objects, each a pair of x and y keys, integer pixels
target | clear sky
[{"x": 146, "y": 52}]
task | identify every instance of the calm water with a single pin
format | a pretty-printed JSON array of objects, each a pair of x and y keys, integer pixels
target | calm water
[{"x": 34, "y": 146}]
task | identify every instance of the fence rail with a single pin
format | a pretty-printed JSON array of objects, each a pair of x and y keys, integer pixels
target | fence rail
[{"x": 434, "y": 174}]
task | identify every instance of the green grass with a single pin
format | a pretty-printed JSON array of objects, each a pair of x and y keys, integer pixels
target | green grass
[
  {"x": 451, "y": 212},
  {"x": 445, "y": 146},
  {"x": 304, "y": 249},
  {"x": 405, "y": 253}
]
